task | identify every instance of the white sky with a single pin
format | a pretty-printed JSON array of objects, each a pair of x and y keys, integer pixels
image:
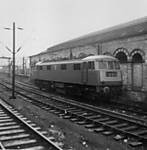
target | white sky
[{"x": 50, "y": 22}]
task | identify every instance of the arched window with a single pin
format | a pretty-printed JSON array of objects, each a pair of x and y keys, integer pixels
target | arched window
[
  {"x": 137, "y": 58},
  {"x": 121, "y": 56}
]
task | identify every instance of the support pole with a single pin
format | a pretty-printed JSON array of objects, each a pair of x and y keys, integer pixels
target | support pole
[{"x": 13, "y": 70}]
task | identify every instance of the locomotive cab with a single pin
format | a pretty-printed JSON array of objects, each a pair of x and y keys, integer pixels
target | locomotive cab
[{"x": 107, "y": 71}]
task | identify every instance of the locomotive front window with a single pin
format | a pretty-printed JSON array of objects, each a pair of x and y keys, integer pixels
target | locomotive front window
[
  {"x": 113, "y": 65},
  {"x": 102, "y": 65},
  {"x": 110, "y": 65},
  {"x": 117, "y": 66}
]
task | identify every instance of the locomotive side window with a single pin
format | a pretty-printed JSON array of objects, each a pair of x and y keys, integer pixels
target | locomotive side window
[
  {"x": 40, "y": 68},
  {"x": 63, "y": 66},
  {"x": 91, "y": 65},
  {"x": 76, "y": 66},
  {"x": 48, "y": 67}
]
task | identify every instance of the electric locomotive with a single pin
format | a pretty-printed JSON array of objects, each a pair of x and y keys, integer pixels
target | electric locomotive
[{"x": 95, "y": 76}]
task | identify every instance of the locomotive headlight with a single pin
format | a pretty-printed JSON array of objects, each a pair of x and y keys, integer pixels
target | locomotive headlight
[{"x": 106, "y": 90}]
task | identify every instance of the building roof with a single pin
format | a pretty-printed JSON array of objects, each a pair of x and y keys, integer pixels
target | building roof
[{"x": 132, "y": 28}]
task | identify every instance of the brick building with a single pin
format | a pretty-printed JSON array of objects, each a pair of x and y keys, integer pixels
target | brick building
[{"x": 127, "y": 42}]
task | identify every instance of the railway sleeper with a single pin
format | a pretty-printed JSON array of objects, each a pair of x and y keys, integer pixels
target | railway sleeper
[
  {"x": 101, "y": 119},
  {"x": 119, "y": 137},
  {"x": 80, "y": 113},
  {"x": 100, "y": 129},
  {"x": 4, "y": 117},
  {"x": 34, "y": 148},
  {"x": 90, "y": 125},
  {"x": 107, "y": 133},
  {"x": 20, "y": 143},
  {"x": 140, "y": 132},
  {"x": 7, "y": 124},
  {"x": 14, "y": 137},
  {"x": 74, "y": 119},
  {"x": 9, "y": 132},
  {"x": 111, "y": 122},
  {"x": 67, "y": 116},
  {"x": 6, "y": 120},
  {"x": 120, "y": 125},
  {"x": 136, "y": 144},
  {"x": 88, "y": 115},
  {"x": 9, "y": 127},
  {"x": 94, "y": 117},
  {"x": 84, "y": 122},
  {"x": 130, "y": 128}
]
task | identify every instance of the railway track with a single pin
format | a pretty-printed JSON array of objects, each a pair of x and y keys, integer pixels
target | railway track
[
  {"x": 16, "y": 132},
  {"x": 136, "y": 113},
  {"x": 132, "y": 109},
  {"x": 98, "y": 120}
]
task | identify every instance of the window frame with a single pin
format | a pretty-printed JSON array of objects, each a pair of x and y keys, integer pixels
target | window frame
[
  {"x": 77, "y": 66},
  {"x": 63, "y": 66},
  {"x": 40, "y": 67},
  {"x": 100, "y": 62},
  {"x": 48, "y": 67},
  {"x": 91, "y": 65}
]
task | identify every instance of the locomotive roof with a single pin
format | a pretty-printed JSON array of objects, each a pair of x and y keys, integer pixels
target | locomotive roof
[
  {"x": 89, "y": 58},
  {"x": 58, "y": 62},
  {"x": 99, "y": 57}
]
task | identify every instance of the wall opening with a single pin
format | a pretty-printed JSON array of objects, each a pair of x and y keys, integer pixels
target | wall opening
[
  {"x": 137, "y": 69},
  {"x": 137, "y": 58},
  {"x": 122, "y": 57}
]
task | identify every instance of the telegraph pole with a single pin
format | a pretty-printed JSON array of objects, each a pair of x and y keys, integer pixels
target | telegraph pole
[
  {"x": 13, "y": 65},
  {"x": 13, "y": 70}
]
